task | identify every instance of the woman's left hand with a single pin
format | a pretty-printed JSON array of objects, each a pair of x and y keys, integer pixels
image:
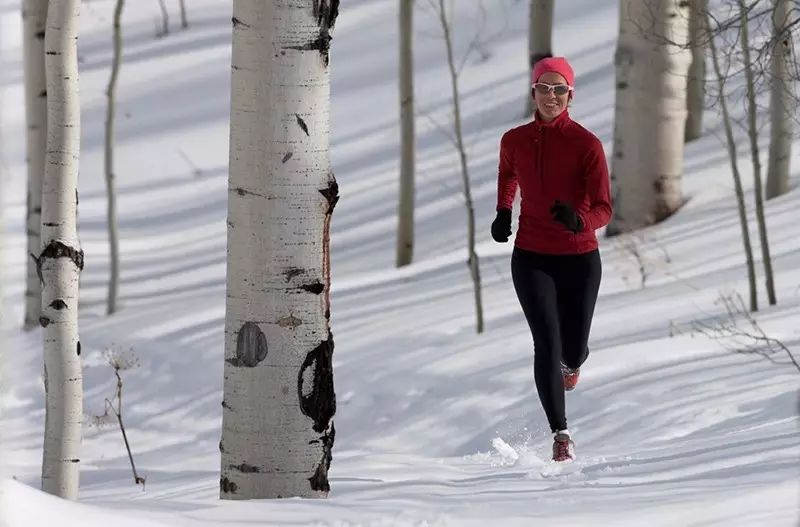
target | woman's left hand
[{"x": 566, "y": 215}]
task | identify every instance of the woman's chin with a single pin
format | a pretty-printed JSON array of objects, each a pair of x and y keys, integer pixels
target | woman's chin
[{"x": 550, "y": 113}]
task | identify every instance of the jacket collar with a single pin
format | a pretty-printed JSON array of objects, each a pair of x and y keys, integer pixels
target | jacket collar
[{"x": 558, "y": 122}]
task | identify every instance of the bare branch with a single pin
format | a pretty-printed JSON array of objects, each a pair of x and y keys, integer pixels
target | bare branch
[
  {"x": 748, "y": 340},
  {"x": 120, "y": 361}
]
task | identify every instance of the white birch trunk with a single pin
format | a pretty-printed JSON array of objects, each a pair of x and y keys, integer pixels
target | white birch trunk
[
  {"x": 650, "y": 113},
  {"x": 405, "y": 213},
  {"x": 473, "y": 262},
  {"x": 752, "y": 133},
  {"x": 61, "y": 258},
  {"x": 737, "y": 180},
  {"x": 34, "y": 19},
  {"x": 184, "y": 19},
  {"x": 695, "y": 88},
  {"x": 540, "y": 37},
  {"x": 3, "y": 319},
  {"x": 277, "y": 418},
  {"x": 781, "y": 102},
  {"x": 164, "y": 18},
  {"x": 111, "y": 193}
]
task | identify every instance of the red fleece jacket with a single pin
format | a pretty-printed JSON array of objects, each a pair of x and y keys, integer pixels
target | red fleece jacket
[{"x": 559, "y": 160}]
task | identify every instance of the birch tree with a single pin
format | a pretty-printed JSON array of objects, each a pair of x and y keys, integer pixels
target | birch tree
[
  {"x": 164, "y": 18},
  {"x": 279, "y": 401},
  {"x": 61, "y": 259},
  {"x": 111, "y": 216},
  {"x": 34, "y": 19},
  {"x": 752, "y": 133},
  {"x": 184, "y": 19},
  {"x": 737, "y": 180},
  {"x": 472, "y": 261},
  {"x": 405, "y": 212},
  {"x": 695, "y": 88},
  {"x": 650, "y": 112},
  {"x": 781, "y": 101},
  {"x": 540, "y": 38}
]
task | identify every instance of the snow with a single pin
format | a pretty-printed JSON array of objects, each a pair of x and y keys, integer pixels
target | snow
[{"x": 436, "y": 426}]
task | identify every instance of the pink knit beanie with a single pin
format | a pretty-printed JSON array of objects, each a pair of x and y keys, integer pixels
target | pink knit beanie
[{"x": 556, "y": 65}]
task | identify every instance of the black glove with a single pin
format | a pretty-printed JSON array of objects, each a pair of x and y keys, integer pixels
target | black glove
[
  {"x": 501, "y": 226},
  {"x": 566, "y": 215}
]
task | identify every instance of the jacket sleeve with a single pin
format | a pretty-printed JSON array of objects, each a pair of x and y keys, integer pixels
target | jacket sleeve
[
  {"x": 506, "y": 177},
  {"x": 597, "y": 188}
]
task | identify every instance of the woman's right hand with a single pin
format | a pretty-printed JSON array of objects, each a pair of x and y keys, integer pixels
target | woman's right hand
[{"x": 501, "y": 226}]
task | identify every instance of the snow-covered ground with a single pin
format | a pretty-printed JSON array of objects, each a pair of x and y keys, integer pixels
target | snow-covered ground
[{"x": 435, "y": 424}]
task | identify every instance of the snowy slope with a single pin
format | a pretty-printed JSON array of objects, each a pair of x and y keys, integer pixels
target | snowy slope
[{"x": 435, "y": 425}]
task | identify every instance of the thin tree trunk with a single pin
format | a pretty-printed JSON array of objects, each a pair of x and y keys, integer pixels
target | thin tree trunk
[
  {"x": 737, "y": 180},
  {"x": 405, "y": 214},
  {"x": 113, "y": 238},
  {"x": 184, "y": 19},
  {"x": 474, "y": 264},
  {"x": 61, "y": 259},
  {"x": 625, "y": 60},
  {"x": 752, "y": 132},
  {"x": 650, "y": 114},
  {"x": 34, "y": 20},
  {"x": 781, "y": 102},
  {"x": 540, "y": 37},
  {"x": 279, "y": 401},
  {"x": 695, "y": 88},
  {"x": 164, "y": 18}
]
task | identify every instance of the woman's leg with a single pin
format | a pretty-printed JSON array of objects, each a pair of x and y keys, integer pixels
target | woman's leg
[
  {"x": 577, "y": 285},
  {"x": 536, "y": 291}
]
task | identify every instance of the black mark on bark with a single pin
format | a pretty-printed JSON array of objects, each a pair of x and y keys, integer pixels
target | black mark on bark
[
  {"x": 56, "y": 249},
  {"x": 315, "y": 288},
  {"x": 44, "y": 321},
  {"x": 318, "y": 401},
  {"x": 319, "y": 481},
  {"x": 325, "y": 12},
  {"x": 287, "y": 157},
  {"x": 58, "y": 304},
  {"x": 251, "y": 346},
  {"x": 292, "y": 272},
  {"x": 245, "y": 468},
  {"x": 227, "y": 486},
  {"x": 236, "y": 22},
  {"x": 331, "y": 194},
  {"x": 79, "y": 348},
  {"x": 245, "y": 192},
  {"x": 302, "y": 123}
]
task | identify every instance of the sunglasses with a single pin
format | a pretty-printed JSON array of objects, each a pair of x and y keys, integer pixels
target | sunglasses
[{"x": 559, "y": 89}]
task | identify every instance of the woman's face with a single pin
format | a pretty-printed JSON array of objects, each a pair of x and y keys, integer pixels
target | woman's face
[{"x": 551, "y": 105}]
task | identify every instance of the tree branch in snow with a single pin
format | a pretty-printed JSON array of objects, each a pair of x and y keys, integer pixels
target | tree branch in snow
[
  {"x": 749, "y": 339},
  {"x": 120, "y": 361}
]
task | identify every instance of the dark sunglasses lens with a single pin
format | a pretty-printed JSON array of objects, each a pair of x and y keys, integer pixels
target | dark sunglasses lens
[
  {"x": 542, "y": 89},
  {"x": 561, "y": 89}
]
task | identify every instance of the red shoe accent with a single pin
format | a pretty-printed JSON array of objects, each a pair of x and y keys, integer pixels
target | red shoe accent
[
  {"x": 570, "y": 377},
  {"x": 563, "y": 448}
]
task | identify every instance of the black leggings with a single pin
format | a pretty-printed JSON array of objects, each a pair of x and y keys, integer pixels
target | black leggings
[{"x": 557, "y": 294}]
